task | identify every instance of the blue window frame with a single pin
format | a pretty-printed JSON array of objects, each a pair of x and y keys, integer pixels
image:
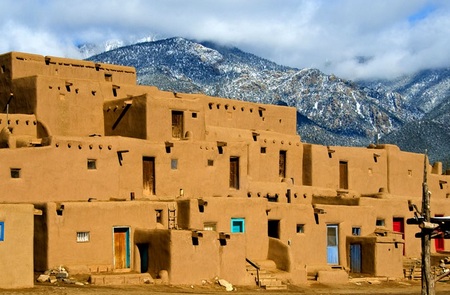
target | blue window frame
[
  {"x": 2, "y": 231},
  {"x": 237, "y": 225}
]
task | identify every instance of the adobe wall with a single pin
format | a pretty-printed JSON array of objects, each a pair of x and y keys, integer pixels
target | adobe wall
[
  {"x": 313, "y": 237},
  {"x": 207, "y": 259},
  {"x": 16, "y": 246},
  {"x": 405, "y": 175},
  {"x": 220, "y": 211},
  {"x": 396, "y": 207},
  {"x": 367, "y": 168},
  {"x": 389, "y": 260},
  {"x": 97, "y": 253},
  {"x": 19, "y": 64},
  {"x": 229, "y": 113}
]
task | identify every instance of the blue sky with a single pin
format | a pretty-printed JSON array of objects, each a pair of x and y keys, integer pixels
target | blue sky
[{"x": 349, "y": 38}]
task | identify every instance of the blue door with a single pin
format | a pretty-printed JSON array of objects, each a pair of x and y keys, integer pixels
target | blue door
[
  {"x": 332, "y": 244},
  {"x": 355, "y": 258}
]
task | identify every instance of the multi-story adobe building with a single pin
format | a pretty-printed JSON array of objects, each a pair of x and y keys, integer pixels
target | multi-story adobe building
[{"x": 101, "y": 175}]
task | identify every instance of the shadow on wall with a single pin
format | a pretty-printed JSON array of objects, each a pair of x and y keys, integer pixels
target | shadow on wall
[{"x": 280, "y": 254}]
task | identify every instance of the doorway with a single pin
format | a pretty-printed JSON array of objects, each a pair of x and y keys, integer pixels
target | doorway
[
  {"x": 143, "y": 254},
  {"x": 332, "y": 244},
  {"x": 148, "y": 175},
  {"x": 398, "y": 225},
  {"x": 121, "y": 247},
  {"x": 274, "y": 229},
  {"x": 355, "y": 258}
]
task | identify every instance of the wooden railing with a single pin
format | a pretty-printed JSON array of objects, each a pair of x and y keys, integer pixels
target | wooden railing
[{"x": 256, "y": 266}]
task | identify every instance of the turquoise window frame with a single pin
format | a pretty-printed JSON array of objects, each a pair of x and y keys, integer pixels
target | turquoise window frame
[
  {"x": 2, "y": 231},
  {"x": 237, "y": 225}
]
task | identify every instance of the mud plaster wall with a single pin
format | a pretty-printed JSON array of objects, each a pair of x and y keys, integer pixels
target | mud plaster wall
[
  {"x": 221, "y": 210},
  {"x": 159, "y": 252},
  {"x": 16, "y": 249},
  {"x": 97, "y": 253},
  {"x": 208, "y": 259},
  {"x": 389, "y": 259}
]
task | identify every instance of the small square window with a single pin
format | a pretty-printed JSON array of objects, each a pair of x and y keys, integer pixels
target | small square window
[
  {"x": 2, "y": 231},
  {"x": 194, "y": 115},
  {"x": 212, "y": 226},
  {"x": 108, "y": 77},
  {"x": 174, "y": 164},
  {"x": 380, "y": 222},
  {"x": 263, "y": 150},
  {"x": 300, "y": 228},
  {"x": 237, "y": 225},
  {"x": 83, "y": 237},
  {"x": 210, "y": 162},
  {"x": 15, "y": 172},
  {"x": 92, "y": 164},
  {"x": 356, "y": 231}
]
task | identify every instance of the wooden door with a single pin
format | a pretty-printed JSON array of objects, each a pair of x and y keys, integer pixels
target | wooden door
[
  {"x": 398, "y": 225},
  {"x": 355, "y": 258},
  {"x": 121, "y": 248},
  {"x": 343, "y": 175},
  {"x": 148, "y": 165},
  {"x": 234, "y": 172}
]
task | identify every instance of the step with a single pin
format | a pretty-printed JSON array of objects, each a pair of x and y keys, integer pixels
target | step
[
  {"x": 279, "y": 287},
  {"x": 121, "y": 279}
]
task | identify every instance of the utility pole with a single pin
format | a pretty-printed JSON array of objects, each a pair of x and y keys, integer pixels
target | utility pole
[{"x": 427, "y": 280}]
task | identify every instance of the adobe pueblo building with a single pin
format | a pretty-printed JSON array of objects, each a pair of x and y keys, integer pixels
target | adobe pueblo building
[{"x": 103, "y": 176}]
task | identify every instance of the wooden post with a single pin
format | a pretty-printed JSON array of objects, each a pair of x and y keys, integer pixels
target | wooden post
[{"x": 427, "y": 280}]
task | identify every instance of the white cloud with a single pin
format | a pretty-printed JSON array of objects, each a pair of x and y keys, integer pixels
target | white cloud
[{"x": 393, "y": 37}]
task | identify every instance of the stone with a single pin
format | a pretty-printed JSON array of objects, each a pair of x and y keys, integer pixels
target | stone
[{"x": 43, "y": 278}]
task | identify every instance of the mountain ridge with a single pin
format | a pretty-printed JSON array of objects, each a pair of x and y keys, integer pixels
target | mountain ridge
[{"x": 337, "y": 111}]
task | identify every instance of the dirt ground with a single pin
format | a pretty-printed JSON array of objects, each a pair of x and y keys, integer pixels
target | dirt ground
[{"x": 378, "y": 287}]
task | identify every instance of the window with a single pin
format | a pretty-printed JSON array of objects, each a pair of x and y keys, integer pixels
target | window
[
  {"x": 380, "y": 222},
  {"x": 194, "y": 115},
  {"x": 83, "y": 237},
  {"x": 177, "y": 124},
  {"x": 263, "y": 150},
  {"x": 343, "y": 175},
  {"x": 92, "y": 164},
  {"x": 237, "y": 225},
  {"x": 108, "y": 77},
  {"x": 212, "y": 226},
  {"x": 300, "y": 228},
  {"x": 174, "y": 164},
  {"x": 282, "y": 164},
  {"x": 234, "y": 172},
  {"x": 2, "y": 231},
  {"x": 356, "y": 231},
  {"x": 158, "y": 213},
  {"x": 210, "y": 162},
  {"x": 15, "y": 172}
]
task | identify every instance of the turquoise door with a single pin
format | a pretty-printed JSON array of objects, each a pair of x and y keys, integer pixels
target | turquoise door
[{"x": 332, "y": 244}]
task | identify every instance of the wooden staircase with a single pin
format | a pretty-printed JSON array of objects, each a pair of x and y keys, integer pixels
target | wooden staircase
[{"x": 265, "y": 274}]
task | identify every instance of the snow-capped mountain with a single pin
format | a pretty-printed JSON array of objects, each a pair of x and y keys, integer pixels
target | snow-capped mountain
[{"x": 331, "y": 110}]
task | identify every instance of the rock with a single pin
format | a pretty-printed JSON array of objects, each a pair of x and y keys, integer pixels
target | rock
[
  {"x": 228, "y": 286},
  {"x": 79, "y": 284},
  {"x": 43, "y": 278},
  {"x": 164, "y": 276},
  {"x": 53, "y": 279}
]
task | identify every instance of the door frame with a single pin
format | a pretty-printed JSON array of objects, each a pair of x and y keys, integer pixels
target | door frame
[
  {"x": 333, "y": 251},
  {"x": 127, "y": 230}
]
